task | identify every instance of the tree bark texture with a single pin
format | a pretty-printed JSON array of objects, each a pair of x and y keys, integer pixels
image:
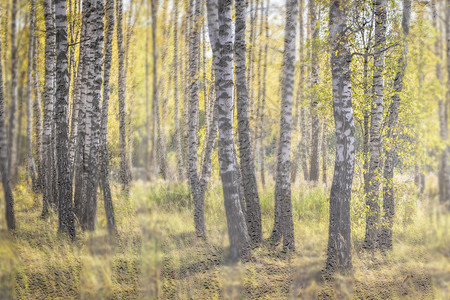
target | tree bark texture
[
  {"x": 376, "y": 122},
  {"x": 339, "y": 240},
  {"x": 283, "y": 224},
  {"x": 66, "y": 219},
  {"x": 253, "y": 210}
]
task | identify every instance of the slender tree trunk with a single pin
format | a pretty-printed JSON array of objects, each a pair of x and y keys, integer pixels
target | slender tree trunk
[
  {"x": 315, "y": 124},
  {"x": 124, "y": 166},
  {"x": 180, "y": 164},
  {"x": 9, "y": 199},
  {"x": 299, "y": 109},
  {"x": 385, "y": 238},
  {"x": 94, "y": 60},
  {"x": 339, "y": 241},
  {"x": 263, "y": 100},
  {"x": 38, "y": 125},
  {"x": 147, "y": 159},
  {"x": 65, "y": 209},
  {"x": 366, "y": 128},
  {"x": 447, "y": 32},
  {"x": 18, "y": 138},
  {"x": 80, "y": 137},
  {"x": 31, "y": 170},
  {"x": 256, "y": 133},
  {"x": 375, "y": 142},
  {"x": 324, "y": 152},
  {"x": 209, "y": 145},
  {"x": 104, "y": 165},
  {"x": 194, "y": 48},
  {"x": 78, "y": 100},
  {"x": 12, "y": 146},
  {"x": 283, "y": 225},
  {"x": 443, "y": 176},
  {"x": 253, "y": 209},
  {"x": 156, "y": 109},
  {"x": 49, "y": 100},
  {"x": 252, "y": 55},
  {"x": 237, "y": 228}
]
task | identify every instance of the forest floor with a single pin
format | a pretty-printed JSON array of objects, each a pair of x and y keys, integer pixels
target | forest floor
[{"x": 157, "y": 254}]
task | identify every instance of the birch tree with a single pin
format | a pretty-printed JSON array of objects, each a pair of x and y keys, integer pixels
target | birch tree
[
  {"x": 237, "y": 228},
  {"x": 9, "y": 198},
  {"x": 263, "y": 96},
  {"x": 299, "y": 108},
  {"x": 104, "y": 155},
  {"x": 66, "y": 220},
  {"x": 385, "y": 238},
  {"x": 253, "y": 210},
  {"x": 339, "y": 241},
  {"x": 283, "y": 224},
  {"x": 376, "y": 119},
  {"x": 94, "y": 86},
  {"x": 30, "y": 162},
  {"x": 49, "y": 99},
  {"x": 199, "y": 180},
  {"x": 447, "y": 32},
  {"x": 180, "y": 163},
  {"x": 13, "y": 120},
  {"x": 38, "y": 125},
  {"x": 124, "y": 166},
  {"x": 443, "y": 174},
  {"x": 315, "y": 123}
]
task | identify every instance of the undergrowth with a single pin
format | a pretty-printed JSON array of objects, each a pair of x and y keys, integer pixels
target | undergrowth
[{"x": 157, "y": 254}]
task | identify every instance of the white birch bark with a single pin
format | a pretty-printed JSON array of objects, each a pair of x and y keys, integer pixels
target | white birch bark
[
  {"x": 376, "y": 120},
  {"x": 237, "y": 228},
  {"x": 283, "y": 224},
  {"x": 339, "y": 240},
  {"x": 385, "y": 238},
  {"x": 9, "y": 198},
  {"x": 65, "y": 209},
  {"x": 253, "y": 210}
]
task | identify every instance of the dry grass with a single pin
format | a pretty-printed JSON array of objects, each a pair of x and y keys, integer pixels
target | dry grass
[{"x": 157, "y": 254}]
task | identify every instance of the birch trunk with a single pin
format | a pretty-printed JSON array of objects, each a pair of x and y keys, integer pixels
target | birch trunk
[
  {"x": 104, "y": 164},
  {"x": 443, "y": 176},
  {"x": 299, "y": 109},
  {"x": 385, "y": 238},
  {"x": 156, "y": 108},
  {"x": 237, "y": 228},
  {"x": 194, "y": 48},
  {"x": 12, "y": 146},
  {"x": 31, "y": 170},
  {"x": 447, "y": 32},
  {"x": 94, "y": 56},
  {"x": 49, "y": 100},
  {"x": 339, "y": 240},
  {"x": 283, "y": 224},
  {"x": 65, "y": 209},
  {"x": 253, "y": 210},
  {"x": 38, "y": 125},
  {"x": 263, "y": 100},
  {"x": 124, "y": 166},
  {"x": 256, "y": 133},
  {"x": 304, "y": 144},
  {"x": 324, "y": 152},
  {"x": 180, "y": 164},
  {"x": 315, "y": 124},
  {"x": 80, "y": 138},
  {"x": 366, "y": 128},
  {"x": 9, "y": 199},
  {"x": 78, "y": 98},
  {"x": 376, "y": 119}
]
